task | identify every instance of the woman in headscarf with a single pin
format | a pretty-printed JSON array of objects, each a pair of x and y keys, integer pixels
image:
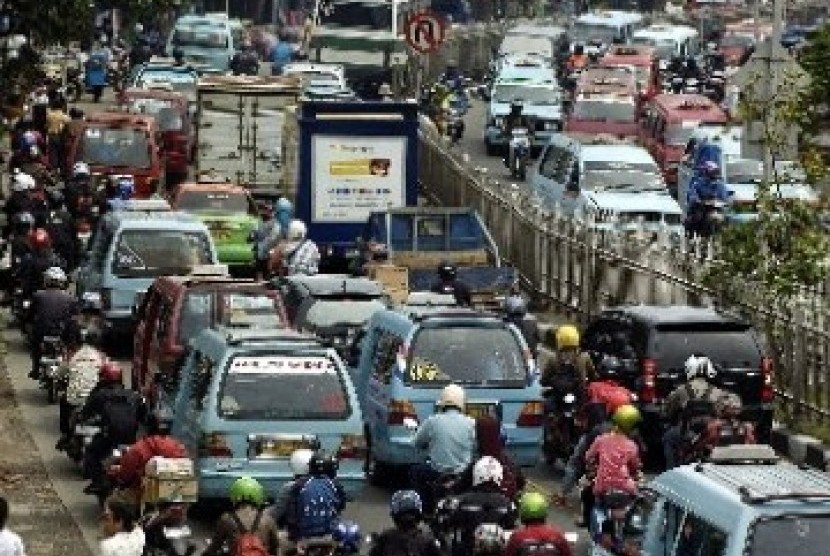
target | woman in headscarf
[{"x": 488, "y": 435}]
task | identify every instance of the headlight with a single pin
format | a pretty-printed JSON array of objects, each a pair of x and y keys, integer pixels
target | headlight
[
  {"x": 498, "y": 122},
  {"x": 552, "y": 126}
]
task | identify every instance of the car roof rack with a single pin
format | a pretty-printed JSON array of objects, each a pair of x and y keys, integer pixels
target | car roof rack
[
  {"x": 209, "y": 271},
  {"x": 141, "y": 205},
  {"x": 744, "y": 453},
  {"x": 430, "y": 299},
  {"x": 236, "y": 336}
]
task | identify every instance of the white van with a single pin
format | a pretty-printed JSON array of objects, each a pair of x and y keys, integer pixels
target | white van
[
  {"x": 605, "y": 27},
  {"x": 211, "y": 39},
  {"x": 669, "y": 40}
]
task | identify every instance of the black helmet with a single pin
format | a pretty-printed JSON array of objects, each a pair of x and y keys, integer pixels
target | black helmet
[
  {"x": 610, "y": 367},
  {"x": 323, "y": 464},
  {"x": 160, "y": 421},
  {"x": 56, "y": 198},
  {"x": 76, "y": 113},
  {"x": 447, "y": 271},
  {"x": 516, "y": 105}
]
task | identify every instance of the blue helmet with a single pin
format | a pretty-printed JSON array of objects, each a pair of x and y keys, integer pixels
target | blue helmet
[
  {"x": 284, "y": 212},
  {"x": 284, "y": 205},
  {"x": 347, "y": 534},
  {"x": 125, "y": 189},
  {"x": 405, "y": 501}
]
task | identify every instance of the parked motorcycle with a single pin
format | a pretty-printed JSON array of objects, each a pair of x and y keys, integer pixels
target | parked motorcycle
[{"x": 518, "y": 152}]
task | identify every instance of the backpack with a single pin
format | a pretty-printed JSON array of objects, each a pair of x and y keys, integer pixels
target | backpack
[
  {"x": 248, "y": 542},
  {"x": 535, "y": 547},
  {"x": 698, "y": 410},
  {"x": 317, "y": 503}
]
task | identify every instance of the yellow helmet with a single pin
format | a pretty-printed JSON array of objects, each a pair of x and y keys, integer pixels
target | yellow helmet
[{"x": 567, "y": 336}]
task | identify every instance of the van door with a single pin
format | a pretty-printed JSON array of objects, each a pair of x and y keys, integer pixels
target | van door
[
  {"x": 553, "y": 173},
  {"x": 192, "y": 400},
  {"x": 157, "y": 342},
  {"x": 378, "y": 384},
  {"x": 146, "y": 329}
]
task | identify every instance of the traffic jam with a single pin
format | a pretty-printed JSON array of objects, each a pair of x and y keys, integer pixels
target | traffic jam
[{"x": 232, "y": 295}]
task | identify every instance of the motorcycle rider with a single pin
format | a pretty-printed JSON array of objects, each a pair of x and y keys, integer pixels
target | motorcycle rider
[
  {"x": 245, "y": 61},
  {"x": 315, "y": 502},
  {"x": 515, "y": 310},
  {"x": 20, "y": 200},
  {"x": 264, "y": 238},
  {"x": 40, "y": 258},
  {"x": 725, "y": 428},
  {"x": 123, "y": 536},
  {"x": 79, "y": 371},
  {"x": 449, "y": 438},
  {"x": 689, "y": 406},
  {"x": 300, "y": 254},
  {"x": 157, "y": 442},
  {"x": 79, "y": 185},
  {"x": 535, "y": 535},
  {"x": 614, "y": 458},
  {"x": 247, "y": 516},
  {"x": 485, "y": 502},
  {"x": 61, "y": 228},
  {"x": 299, "y": 462},
  {"x": 52, "y": 313},
  {"x": 406, "y": 538},
  {"x": 577, "y": 60},
  {"x": 706, "y": 186},
  {"x": 516, "y": 119},
  {"x": 569, "y": 370},
  {"x": 449, "y": 284},
  {"x": 491, "y": 443},
  {"x": 606, "y": 394},
  {"x": 120, "y": 411}
]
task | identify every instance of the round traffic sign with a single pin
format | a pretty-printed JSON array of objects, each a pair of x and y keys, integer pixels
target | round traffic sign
[{"x": 425, "y": 32}]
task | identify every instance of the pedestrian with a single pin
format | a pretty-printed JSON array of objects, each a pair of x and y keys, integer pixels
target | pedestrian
[
  {"x": 282, "y": 54},
  {"x": 123, "y": 537},
  {"x": 10, "y": 543},
  {"x": 56, "y": 120}
]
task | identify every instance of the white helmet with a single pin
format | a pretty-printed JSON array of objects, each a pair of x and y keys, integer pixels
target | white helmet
[
  {"x": 699, "y": 367},
  {"x": 139, "y": 28},
  {"x": 296, "y": 230},
  {"x": 80, "y": 169},
  {"x": 54, "y": 276},
  {"x": 299, "y": 461},
  {"x": 488, "y": 470},
  {"x": 452, "y": 396},
  {"x": 23, "y": 182}
]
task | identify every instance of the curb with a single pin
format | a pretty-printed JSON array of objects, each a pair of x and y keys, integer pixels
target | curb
[{"x": 801, "y": 449}]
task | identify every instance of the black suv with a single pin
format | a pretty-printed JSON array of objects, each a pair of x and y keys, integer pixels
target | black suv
[{"x": 654, "y": 343}]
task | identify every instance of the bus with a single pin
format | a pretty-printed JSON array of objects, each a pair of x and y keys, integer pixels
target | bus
[
  {"x": 606, "y": 27},
  {"x": 367, "y": 38}
]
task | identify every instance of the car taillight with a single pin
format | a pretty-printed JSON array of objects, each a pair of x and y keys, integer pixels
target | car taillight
[
  {"x": 106, "y": 299},
  {"x": 532, "y": 415},
  {"x": 214, "y": 445},
  {"x": 648, "y": 390},
  {"x": 352, "y": 446},
  {"x": 767, "y": 374},
  {"x": 400, "y": 410}
]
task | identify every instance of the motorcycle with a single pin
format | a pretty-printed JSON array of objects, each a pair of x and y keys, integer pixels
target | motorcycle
[
  {"x": 518, "y": 152},
  {"x": 79, "y": 442},
  {"x": 452, "y": 521},
  {"x": 455, "y": 126},
  {"x": 560, "y": 431},
  {"x": 51, "y": 350},
  {"x": 167, "y": 532},
  {"x": 710, "y": 221},
  {"x": 74, "y": 88},
  {"x": 618, "y": 507}
]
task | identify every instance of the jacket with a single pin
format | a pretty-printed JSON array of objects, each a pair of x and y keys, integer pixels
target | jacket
[
  {"x": 608, "y": 393},
  {"x": 81, "y": 374},
  {"x": 700, "y": 389},
  {"x": 529, "y": 327},
  {"x": 52, "y": 312},
  {"x": 541, "y": 533},
  {"x": 616, "y": 459},
  {"x": 132, "y": 463},
  {"x": 128, "y": 543},
  {"x": 450, "y": 440},
  {"x": 119, "y": 428},
  {"x": 405, "y": 542},
  {"x": 227, "y": 532},
  {"x": 561, "y": 375},
  {"x": 703, "y": 189}
]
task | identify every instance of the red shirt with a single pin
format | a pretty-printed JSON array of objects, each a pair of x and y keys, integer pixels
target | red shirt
[
  {"x": 608, "y": 393},
  {"x": 617, "y": 461},
  {"x": 540, "y": 533},
  {"x": 131, "y": 465}
]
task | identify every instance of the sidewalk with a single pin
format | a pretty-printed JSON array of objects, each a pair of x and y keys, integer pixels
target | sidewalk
[{"x": 36, "y": 512}]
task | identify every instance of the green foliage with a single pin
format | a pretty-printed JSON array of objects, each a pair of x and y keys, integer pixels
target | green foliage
[{"x": 815, "y": 59}]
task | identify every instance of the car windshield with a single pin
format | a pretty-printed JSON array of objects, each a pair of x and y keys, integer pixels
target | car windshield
[
  {"x": 373, "y": 16},
  {"x": 202, "y": 38},
  {"x": 179, "y": 81},
  {"x": 588, "y": 31},
  {"x": 605, "y": 110},
  {"x": 744, "y": 171},
  {"x": 283, "y": 387},
  {"x": 240, "y": 309},
  {"x": 530, "y": 95},
  {"x": 112, "y": 146},
  {"x": 144, "y": 253},
  {"x": 168, "y": 117},
  {"x": 793, "y": 535},
  {"x": 724, "y": 343},
  {"x": 215, "y": 201},
  {"x": 679, "y": 134},
  {"x": 467, "y": 355},
  {"x": 325, "y": 313},
  {"x": 638, "y": 176}
]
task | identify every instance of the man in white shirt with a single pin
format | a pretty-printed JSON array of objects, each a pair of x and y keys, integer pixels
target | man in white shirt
[
  {"x": 10, "y": 543},
  {"x": 123, "y": 536}
]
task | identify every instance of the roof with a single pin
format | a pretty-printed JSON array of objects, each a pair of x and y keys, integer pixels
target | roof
[
  {"x": 671, "y": 314},
  {"x": 118, "y": 119},
  {"x": 537, "y": 31},
  {"x": 640, "y": 202},
  {"x": 691, "y": 106},
  {"x": 660, "y": 31},
  {"x": 633, "y": 154},
  {"x": 334, "y": 284},
  {"x": 151, "y": 220}
]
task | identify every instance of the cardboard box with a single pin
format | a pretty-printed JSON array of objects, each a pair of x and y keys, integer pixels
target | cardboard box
[
  {"x": 391, "y": 277},
  {"x": 169, "y": 468},
  {"x": 431, "y": 259},
  {"x": 397, "y": 296},
  {"x": 180, "y": 489}
]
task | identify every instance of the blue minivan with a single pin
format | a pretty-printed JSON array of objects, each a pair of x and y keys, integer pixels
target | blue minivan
[
  {"x": 249, "y": 397},
  {"x": 407, "y": 357}
]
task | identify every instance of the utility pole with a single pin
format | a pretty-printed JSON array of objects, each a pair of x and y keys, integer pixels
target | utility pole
[{"x": 772, "y": 75}]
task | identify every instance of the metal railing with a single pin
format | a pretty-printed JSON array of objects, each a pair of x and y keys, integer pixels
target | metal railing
[{"x": 581, "y": 267}]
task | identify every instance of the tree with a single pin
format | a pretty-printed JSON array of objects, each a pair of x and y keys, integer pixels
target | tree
[{"x": 773, "y": 262}]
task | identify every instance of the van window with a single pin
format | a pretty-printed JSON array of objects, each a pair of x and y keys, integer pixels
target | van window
[
  {"x": 196, "y": 315},
  {"x": 793, "y": 535},
  {"x": 466, "y": 355},
  {"x": 146, "y": 253},
  {"x": 696, "y": 537},
  {"x": 725, "y": 344},
  {"x": 202, "y": 374},
  {"x": 164, "y": 318},
  {"x": 385, "y": 356},
  {"x": 283, "y": 387}
]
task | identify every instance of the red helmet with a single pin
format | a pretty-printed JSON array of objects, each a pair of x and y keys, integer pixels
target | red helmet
[
  {"x": 110, "y": 372},
  {"x": 39, "y": 239}
]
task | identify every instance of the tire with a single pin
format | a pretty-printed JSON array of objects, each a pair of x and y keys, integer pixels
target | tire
[
  {"x": 52, "y": 392},
  {"x": 377, "y": 472}
]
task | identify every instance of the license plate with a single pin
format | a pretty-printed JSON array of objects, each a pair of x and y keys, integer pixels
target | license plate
[
  {"x": 86, "y": 430},
  {"x": 478, "y": 410},
  {"x": 275, "y": 448},
  {"x": 182, "y": 532}
]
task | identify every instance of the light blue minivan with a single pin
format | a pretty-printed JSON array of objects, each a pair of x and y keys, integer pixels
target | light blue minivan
[
  {"x": 409, "y": 354},
  {"x": 249, "y": 397},
  {"x": 133, "y": 245}
]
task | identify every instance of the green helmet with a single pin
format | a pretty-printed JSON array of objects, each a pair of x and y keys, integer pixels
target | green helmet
[
  {"x": 626, "y": 417},
  {"x": 533, "y": 507},
  {"x": 246, "y": 489}
]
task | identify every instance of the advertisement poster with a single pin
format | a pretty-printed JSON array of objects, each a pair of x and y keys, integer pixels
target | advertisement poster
[{"x": 353, "y": 176}]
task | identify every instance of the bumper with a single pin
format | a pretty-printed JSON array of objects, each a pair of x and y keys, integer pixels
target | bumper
[
  {"x": 235, "y": 254},
  {"x": 215, "y": 484}
]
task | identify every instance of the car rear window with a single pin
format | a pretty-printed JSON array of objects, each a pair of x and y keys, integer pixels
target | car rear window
[
  {"x": 146, "y": 253},
  {"x": 216, "y": 201},
  {"x": 471, "y": 355},
  {"x": 794, "y": 535},
  {"x": 725, "y": 344},
  {"x": 196, "y": 315},
  {"x": 283, "y": 387}
]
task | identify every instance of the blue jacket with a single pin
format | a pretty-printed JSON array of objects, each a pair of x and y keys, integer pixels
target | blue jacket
[
  {"x": 449, "y": 439},
  {"x": 703, "y": 189},
  {"x": 281, "y": 55}
]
